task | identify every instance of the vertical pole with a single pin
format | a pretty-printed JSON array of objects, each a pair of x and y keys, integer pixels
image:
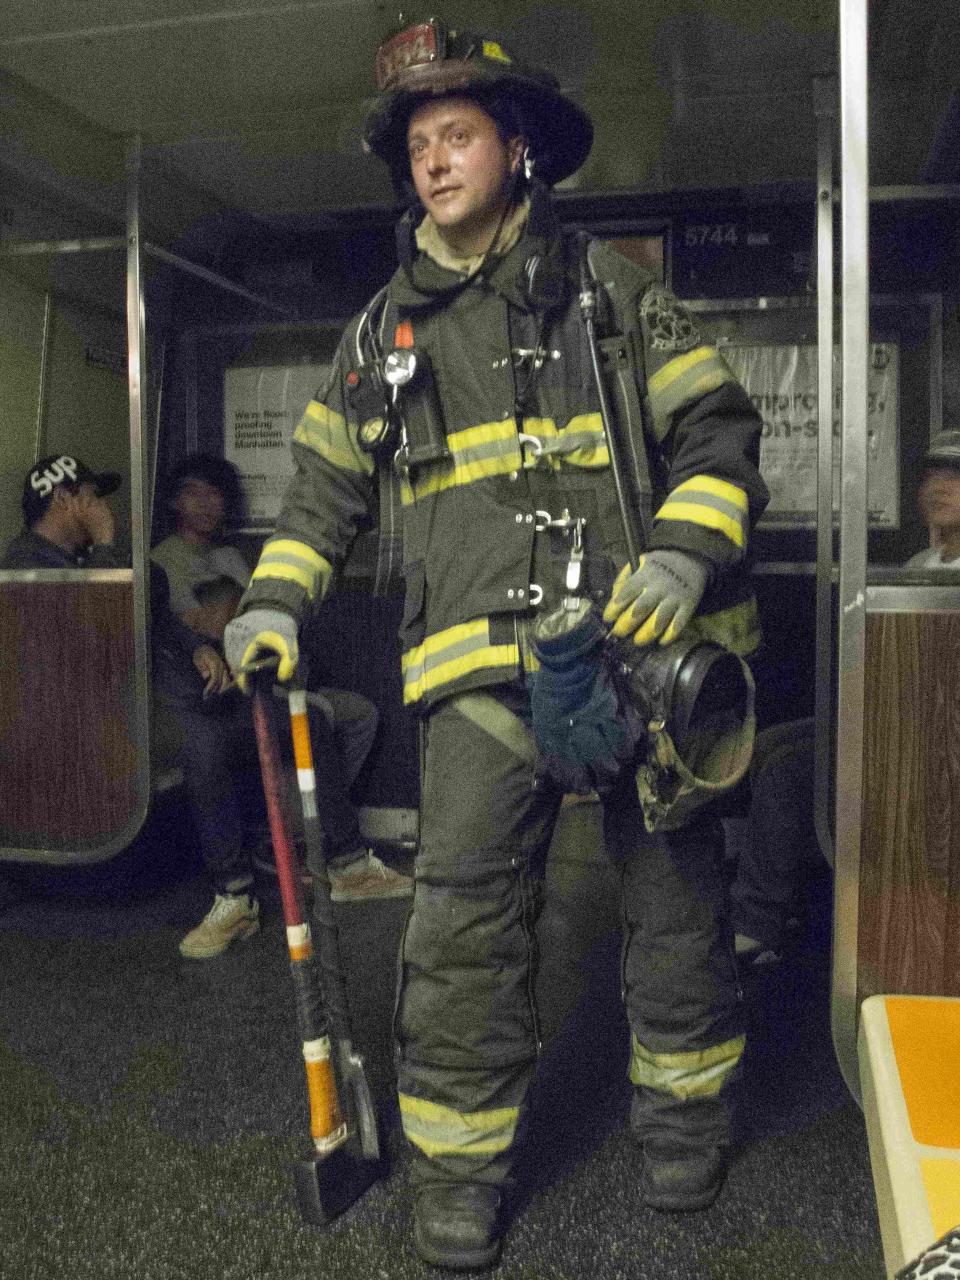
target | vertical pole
[
  {"x": 39, "y": 442},
  {"x": 136, "y": 356},
  {"x": 853, "y": 530},
  {"x": 824, "y": 104}
]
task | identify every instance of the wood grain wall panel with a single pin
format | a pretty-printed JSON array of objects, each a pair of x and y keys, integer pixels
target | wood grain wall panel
[
  {"x": 910, "y": 851},
  {"x": 67, "y": 754}
]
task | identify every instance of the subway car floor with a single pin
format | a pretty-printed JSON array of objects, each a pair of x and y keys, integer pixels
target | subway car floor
[{"x": 152, "y": 1107}]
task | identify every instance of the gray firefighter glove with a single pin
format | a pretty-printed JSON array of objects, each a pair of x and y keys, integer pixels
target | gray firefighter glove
[
  {"x": 257, "y": 634},
  {"x": 657, "y": 599}
]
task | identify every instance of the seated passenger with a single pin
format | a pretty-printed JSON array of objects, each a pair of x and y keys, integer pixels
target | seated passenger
[
  {"x": 207, "y": 577},
  {"x": 207, "y": 574},
  {"x": 781, "y": 820},
  {"x": 69, "y": 525},
  {"x": 939, "y": 501},
  {"x": 781, "y": 838},
  {"x": 66, "y": 523}
]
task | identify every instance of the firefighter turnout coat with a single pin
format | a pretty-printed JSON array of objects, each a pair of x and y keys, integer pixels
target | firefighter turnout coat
[
  {"x": 518, "y": 502},
  {"x": 525, "y": 444}
]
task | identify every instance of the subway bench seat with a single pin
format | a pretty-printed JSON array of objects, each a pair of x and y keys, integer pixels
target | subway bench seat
[{"x": 907, "y": 1050}]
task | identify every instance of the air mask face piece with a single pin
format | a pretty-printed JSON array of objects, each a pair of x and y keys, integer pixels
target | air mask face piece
[
  {"x": 682, "y": 713},
  {"x": 700, "y": 731}
]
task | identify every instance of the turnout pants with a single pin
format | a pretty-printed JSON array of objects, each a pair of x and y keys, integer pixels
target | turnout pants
[{"x": 466, "y": 1020}]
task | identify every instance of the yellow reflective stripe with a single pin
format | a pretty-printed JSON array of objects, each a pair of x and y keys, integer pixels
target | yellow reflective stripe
[
  {"x": 717, "y": 488},
  {"x": 684, "y": 379},
  {"x": 292, "y": 561},
  {"x": 700, "y": 1073},
  {"x": 591, "y": 453},
  {"x": 441, "y": 1131},
  {"x": 489, "y": 449},
  {"x": 287, "y": 573},
  {"x": 706, "y": 516},
  {"x": 737, "y": 628},
  {"x": 325, "y": 432},
  {"x": 493, "y": 449},
  {"x": 448, "y": 655},
  {"x": 710, "y": 502},
  {"x": 677, "y": 367}
]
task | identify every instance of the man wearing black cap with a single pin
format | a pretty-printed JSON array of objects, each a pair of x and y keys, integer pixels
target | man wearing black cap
[
  {"x": 464, "y": 391},
  {"x": 67, "y": 524}
]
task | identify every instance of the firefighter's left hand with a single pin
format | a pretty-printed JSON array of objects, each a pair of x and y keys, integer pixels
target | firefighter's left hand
[{"x": 657, "y": 599}]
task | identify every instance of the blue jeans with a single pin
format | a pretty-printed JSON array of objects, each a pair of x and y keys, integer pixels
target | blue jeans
[{"x": 220, "y": 767}]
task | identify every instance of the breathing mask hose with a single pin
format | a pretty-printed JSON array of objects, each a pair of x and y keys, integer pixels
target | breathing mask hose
[{"x": 588, "y": 309}]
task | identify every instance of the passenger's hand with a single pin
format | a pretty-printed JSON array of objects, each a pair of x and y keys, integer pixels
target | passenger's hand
[
  {"x": 657, "y": 599},
  {"x": 212, "y": 667},
  {"x": 259, "y": 632},
  {"x": 96, "y": 518}
]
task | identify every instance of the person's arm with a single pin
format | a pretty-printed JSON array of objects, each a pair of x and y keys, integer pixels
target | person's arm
[
  {"x": 171, "y": 634},
  {"x": 325, "y": 502},
  {"x": 211, "y": 619},
  {"x": 710, "y": 435},
  {"x": 710, "y": 442}
]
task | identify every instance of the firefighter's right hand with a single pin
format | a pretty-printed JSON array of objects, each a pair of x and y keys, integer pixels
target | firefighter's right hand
[{"x": 259, "y": 633}]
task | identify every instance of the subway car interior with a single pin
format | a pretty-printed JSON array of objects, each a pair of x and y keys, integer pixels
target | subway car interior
[{"x": 188, "y": 220}]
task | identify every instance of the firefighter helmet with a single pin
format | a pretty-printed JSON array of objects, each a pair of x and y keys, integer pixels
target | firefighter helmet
[{"x": 427, "y": 60}]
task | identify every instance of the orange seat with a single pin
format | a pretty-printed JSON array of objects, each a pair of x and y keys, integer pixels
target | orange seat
[{"x": 911, "y": 1100}]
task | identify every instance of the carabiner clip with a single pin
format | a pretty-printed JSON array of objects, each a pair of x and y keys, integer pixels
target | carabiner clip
[
  {"x": 535, "y": 443},
  {"x": 535, "y": 594}
]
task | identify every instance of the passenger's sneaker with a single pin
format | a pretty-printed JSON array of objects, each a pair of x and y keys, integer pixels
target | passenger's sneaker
[
  {"x": 233, "y": 916},
  {"x": 367, "y": 880}
]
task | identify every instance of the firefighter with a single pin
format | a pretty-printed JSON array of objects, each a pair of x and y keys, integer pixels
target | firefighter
[{"x": 464, "y": 392}]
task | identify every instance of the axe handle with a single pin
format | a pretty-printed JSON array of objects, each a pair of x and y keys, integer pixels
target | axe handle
[
  {"x": 357, "y": 1098},
  {"x": 327, "y": 1126}
]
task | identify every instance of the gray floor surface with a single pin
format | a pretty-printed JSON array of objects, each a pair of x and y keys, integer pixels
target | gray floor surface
[{"x": 152, "y": 1108}]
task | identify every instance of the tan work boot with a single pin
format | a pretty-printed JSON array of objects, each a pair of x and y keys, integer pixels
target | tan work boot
[
  {"x": 232, "y": 916},
  {"x": 367, "y": 880}
]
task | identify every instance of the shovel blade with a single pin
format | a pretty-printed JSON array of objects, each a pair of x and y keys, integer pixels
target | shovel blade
[{"x": 328, "y": 1185}]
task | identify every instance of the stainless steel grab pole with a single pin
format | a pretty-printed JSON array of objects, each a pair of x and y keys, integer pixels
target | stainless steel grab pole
[
  {"x": 853, "y": 531},
  {"x": 824, "y": 101}
]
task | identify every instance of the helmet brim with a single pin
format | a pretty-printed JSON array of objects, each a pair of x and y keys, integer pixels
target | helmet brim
[{"x": 560, "y": 131}]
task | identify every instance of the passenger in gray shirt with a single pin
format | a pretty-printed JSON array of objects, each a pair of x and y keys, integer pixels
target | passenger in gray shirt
[{"x": 207, "y": 577}]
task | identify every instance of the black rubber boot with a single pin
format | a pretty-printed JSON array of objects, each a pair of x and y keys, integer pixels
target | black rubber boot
[
  {"x": 457, "y": 1225},
  {"x": 677, "y": 1180}
]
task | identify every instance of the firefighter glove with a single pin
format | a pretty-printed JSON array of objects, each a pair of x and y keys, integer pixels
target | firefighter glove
[
  {"x": 657, "y": 599},
  {"x": 257, "y": 634}
]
